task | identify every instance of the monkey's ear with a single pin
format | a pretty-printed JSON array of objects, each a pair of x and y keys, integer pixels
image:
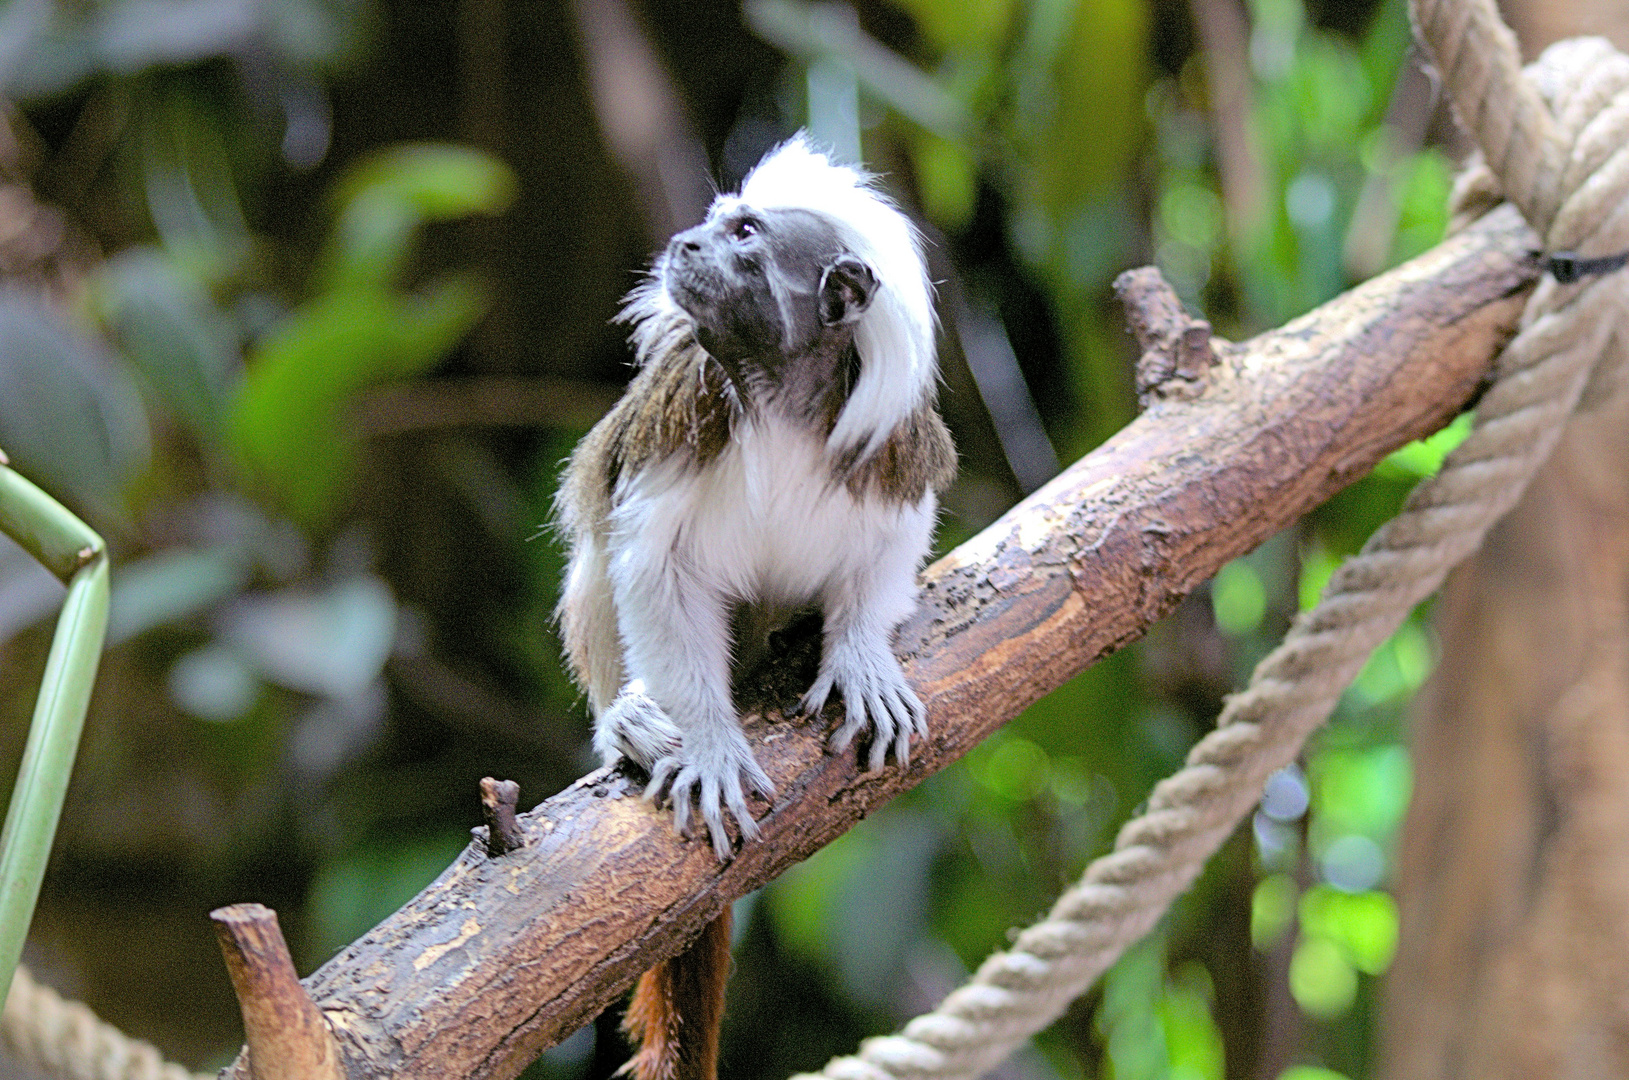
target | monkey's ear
[{"x": 846, "y": 289}]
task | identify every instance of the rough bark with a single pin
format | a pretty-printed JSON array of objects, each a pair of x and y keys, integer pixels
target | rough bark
[
  {"x": 499, "y": 958},
  {"x": 288, "y": 1038}
]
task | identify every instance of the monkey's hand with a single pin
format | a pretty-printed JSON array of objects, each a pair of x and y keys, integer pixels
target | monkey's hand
[
  {"x": 875, "y": 696},
  {"x": 714, "y": 766}
]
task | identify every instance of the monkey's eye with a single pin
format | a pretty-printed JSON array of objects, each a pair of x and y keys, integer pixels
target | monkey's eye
[{"x": 745, "y": 229}]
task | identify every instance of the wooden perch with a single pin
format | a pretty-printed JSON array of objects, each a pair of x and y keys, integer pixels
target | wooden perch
[
  {"x": 499, "y": 798},
  {"x": 288, "y": 1038},
  {"x": 501, "y": 957},
  {"x": 1177, "y": 352}
]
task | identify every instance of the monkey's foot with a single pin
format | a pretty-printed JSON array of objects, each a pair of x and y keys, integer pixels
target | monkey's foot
[
  {"x": 714, "y": 767},
  {"x": 875, "y": 696},
  {"x": 635, "y": 727}
]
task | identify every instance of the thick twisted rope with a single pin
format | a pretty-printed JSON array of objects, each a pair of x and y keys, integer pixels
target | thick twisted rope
[
  {"x": 65, "y": 1039},
  {"x": 1557, "y": 140}
]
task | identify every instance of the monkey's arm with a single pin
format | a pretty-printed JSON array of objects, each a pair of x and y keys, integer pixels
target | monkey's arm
[
  {"x": 627, "y": 720},
  {"x": 675, "y": 632},
  {"x": 863, "y": 605}
]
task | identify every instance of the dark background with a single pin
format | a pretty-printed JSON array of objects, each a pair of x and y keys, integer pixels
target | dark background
[{"x": 316, "y": 388}]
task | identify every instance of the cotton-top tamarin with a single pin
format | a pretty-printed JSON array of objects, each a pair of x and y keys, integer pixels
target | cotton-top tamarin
[{"x": 778, "y": 448}]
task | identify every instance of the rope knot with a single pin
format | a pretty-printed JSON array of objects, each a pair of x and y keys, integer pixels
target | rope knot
[
  {"x": 1563, "y": 159},
  {"x": 1562, "y": 154}
]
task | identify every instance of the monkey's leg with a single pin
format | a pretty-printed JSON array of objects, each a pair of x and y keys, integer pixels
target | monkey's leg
[
  {"x": 588, "y": 623},
  {"x": 862, "y": 609},
  {"x": 629, "y": 724},
  {"x": 635, "y": 727},
  {"x": 675, "y": 635}
]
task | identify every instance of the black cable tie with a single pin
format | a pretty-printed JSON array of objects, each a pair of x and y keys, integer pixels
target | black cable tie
[{"x": 1568, "y": 267}]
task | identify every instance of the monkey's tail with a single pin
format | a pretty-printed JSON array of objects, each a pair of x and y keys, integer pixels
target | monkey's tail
[{"x": 678, "y": 1008}]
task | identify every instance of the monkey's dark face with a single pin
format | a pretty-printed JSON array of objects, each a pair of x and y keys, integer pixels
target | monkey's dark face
[{"x": 766, "y": 286}]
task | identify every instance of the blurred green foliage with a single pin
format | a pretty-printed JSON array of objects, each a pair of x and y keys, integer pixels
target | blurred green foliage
[
  {"x": 325, "y": 633},
  {"x": 286, "y": 419},
  {"x": 1318, "y": 136},
  {"x": 1158, "y": 1026}
]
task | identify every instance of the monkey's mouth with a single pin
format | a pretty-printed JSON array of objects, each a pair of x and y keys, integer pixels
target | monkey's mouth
[
  {"x": 690, "y": 287},
  {"x": 688, "y": 299},
  {"x": 694, "y": 300}
]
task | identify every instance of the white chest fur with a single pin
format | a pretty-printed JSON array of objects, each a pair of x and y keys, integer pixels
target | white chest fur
[{"x": 765, "y": 521}]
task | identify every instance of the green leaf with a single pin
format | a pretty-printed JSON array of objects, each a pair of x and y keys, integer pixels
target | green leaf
[
  {"x": 28, "y": 591},
  {"x": 390, "y": 195},
  {"x": 1361, "y": 791},
  {"x": 1422, "y": 218},
  {"x": 1321, "y": 980},
  {"x": 332, "y": 643},
  {"x": 1424, "y": 457},
  {"x": 1081, "y": 93},
  {"x": 947, "y": 176},
  {"x": 1362, "y": 925},
  {"x": 963, "y": 24},
  {"x": 1192, "y": 1039},
  {"x": 800, "y": 899},
  {"x": 1309, "y": 1072},
  {"x": 859, "y": 904},
  {"x": 1331, "y": 92},
  {"x": 355, "y": 892},
  {"x": 1272, "y": 907},
  {"x": 1192, "y": 214},
  {"x": 287, "y": 420},
  {"x": 1385, "y": 46},
  {"x": 43, "y": 48},
  {"x": 1318, "y": 565},
  {"x": 172, "y": 585},
  {"x": 1013, "y": 767},
  {"x": 57, "y": 45},
  {"x": 1133, "y": 1037},
  {"x": 1238, "y": 598},
  {"x": 214, "y": 684},
  {"x": 1397, "y": 669}
]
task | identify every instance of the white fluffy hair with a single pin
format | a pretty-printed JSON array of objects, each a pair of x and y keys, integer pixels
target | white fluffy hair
[{"x": 895, "y": 336}]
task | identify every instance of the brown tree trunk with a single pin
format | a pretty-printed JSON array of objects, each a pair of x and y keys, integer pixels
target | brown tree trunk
[
  {"x": 1514, "y": 882},
  {"x": 1514, "y": 872}
]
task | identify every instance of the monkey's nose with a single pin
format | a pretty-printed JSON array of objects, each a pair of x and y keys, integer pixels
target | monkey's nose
[{"x": 686, "y": 243}]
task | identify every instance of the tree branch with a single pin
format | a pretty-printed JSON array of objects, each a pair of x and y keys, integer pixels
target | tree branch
[{"x": 501, "y": 957}]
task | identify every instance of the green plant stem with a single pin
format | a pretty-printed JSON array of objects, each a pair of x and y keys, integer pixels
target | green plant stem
[
  {"x": 44, "y": 528},
  {"x": 76, "y": 554}
]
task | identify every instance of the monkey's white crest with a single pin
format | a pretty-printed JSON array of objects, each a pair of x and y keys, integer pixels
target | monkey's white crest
[{"x": 895, "y": 336}]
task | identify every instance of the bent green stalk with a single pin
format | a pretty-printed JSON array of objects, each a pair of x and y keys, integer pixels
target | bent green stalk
[{"x": 76, "y": 555}]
